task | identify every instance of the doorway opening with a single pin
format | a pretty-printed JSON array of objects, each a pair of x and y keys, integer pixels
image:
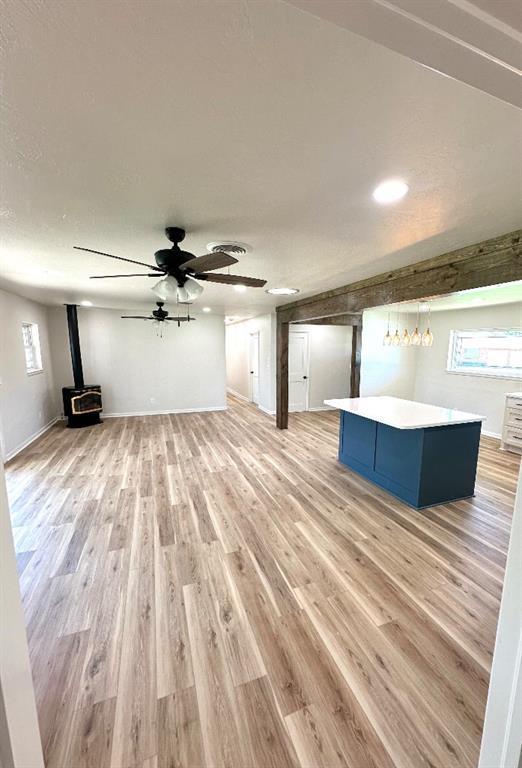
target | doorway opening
[
  {"x": 298, "y": 370},
  {"x": 253, "y": 367}
]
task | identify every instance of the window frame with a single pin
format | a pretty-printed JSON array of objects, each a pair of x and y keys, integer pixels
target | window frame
[
  {"x": 36, "y": 347},
  {"x": 488, "y": 373}
]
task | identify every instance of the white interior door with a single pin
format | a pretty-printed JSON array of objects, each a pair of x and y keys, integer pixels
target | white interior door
[
  {"x": 254, "y": 367},
  {"x": 298, "y": 365}
]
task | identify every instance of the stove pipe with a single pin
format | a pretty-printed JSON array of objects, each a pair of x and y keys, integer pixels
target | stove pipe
[{"x": 74, "y": 342}]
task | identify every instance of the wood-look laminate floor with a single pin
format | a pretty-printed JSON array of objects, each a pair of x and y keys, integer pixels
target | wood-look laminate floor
[{"x": 204, "y": 590}]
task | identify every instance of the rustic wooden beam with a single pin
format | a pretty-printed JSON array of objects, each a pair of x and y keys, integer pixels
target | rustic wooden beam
[
  {"x": 494, "y": 261},
  {"x": 355, "y": 364},
  {"x": 352, "y": 319},
  {"x": 282, "y": 340},
  {"x": 498, "y": 260}
]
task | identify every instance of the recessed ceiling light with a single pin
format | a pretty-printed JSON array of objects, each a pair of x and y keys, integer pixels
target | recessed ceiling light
[
  {"x": 477, "y": 300},
  {"x": 206, "y": 309},
  {"x": 282, "y": 291},
  {"x": 390, "y": 191},
  {"x": 240, "y": 288},
  {"x": 86, "y": 303}
]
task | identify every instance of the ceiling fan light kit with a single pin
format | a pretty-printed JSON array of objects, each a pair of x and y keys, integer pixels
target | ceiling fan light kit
[{"x": 168, "y": 288}]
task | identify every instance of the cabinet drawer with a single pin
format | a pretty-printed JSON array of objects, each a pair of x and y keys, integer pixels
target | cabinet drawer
[
  {"x": 514, "y": 403},
  {"x": 514, "y": 417},
  {"x": 512, "y": 436}
]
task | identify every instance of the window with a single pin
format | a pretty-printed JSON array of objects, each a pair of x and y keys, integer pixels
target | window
[
  {"x": 491, "y": 352},
  {"x": 33, "y": 354}
]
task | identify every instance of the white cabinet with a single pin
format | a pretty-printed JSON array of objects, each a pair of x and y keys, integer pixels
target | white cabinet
[{"x": 512, "y": 429}]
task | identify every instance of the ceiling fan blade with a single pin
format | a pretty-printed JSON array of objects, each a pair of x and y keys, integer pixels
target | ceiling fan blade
[
  {"x": 251, "y": 282},
  {"x": 136, "y": 317},
  {"x": 216, "y": 260},
  {"x": 120, "y": 258},
  {"x": 137, "y": 274},
  {"x": 181, "y": 319}
]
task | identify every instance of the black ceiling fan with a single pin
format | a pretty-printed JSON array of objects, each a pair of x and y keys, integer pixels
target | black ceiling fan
[
  {"x": 182, "y": 266},
  {"x": 161, "y": 315}
]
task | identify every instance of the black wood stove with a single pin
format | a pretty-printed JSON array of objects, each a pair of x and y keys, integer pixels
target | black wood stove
[{"x": 82, "y": 404}]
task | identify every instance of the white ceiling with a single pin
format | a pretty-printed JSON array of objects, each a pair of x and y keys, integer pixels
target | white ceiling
[
  {"x": 491, "y": 295},
  {"x": 478, "y": 42},
  {"x": 249, "y": 121}
]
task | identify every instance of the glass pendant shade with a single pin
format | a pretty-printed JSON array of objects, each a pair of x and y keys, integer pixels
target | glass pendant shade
[
  {"x": 168, "y": 288},
  {"x": 406, "y": 339},
  {"x": 182, "y": 294},
  {"x": 427, "y": 338},
  {"x": 193, "y": 289},
  {"x": 416, "y": 338},
  {"x": 396, "y": 339},
  {"x": 159, "y": 327},
  {"x": 387, "y": 338}
]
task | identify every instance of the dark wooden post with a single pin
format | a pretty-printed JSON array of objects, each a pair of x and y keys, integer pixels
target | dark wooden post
[
  {"x": 355, "y": 367},
  {"x": 282, "y": 375}
]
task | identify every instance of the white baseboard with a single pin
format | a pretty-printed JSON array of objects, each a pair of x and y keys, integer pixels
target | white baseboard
[
  {"x": 491, "y": 434},
  {"x": 322, "y": 408},
  {"x": 30, "y": 440},
  {"x": 237, "y": 394},
  {"x": 163, "y": 413},
  {"x": 265, "y": 410},
  {"x": 246, "y": 400}
]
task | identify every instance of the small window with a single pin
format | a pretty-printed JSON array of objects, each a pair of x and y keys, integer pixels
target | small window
[
  {"x": 491, "y": 352},
  {"x": 33, "y": 353}
]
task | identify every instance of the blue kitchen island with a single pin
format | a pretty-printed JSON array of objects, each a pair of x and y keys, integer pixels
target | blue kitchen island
[{"x": 422, "y": 454}]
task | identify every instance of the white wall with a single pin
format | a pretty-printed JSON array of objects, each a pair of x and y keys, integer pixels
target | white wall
[
  {"x": 20, "y": 744},
  {"x": 140, "y": 372},
  {"x": 477, "y": 394},
  {"x": 237, "y": 358},
  {"x": 420, "y": 374},
  {"x": 330, "y": 349},
  {"x": 502, "y": 734},
  {"x": 27, "y": 403},
  {"x": 385, "y": 370},
  {"x": 330, "y": 354}
]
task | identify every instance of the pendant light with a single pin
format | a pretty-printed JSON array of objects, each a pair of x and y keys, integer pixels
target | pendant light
[
  {"x": 427, "y": 336},
  {"x": 387, "y": 338},
  {"x": 396, "y": 339},
  {"x": 405, "y": 338},
  {"x": 416, "y": 338}
]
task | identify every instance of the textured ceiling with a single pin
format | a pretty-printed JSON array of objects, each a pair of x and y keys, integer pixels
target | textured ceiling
[
  {"x": 508, "y": 293},
  {"x": 249, "y": 121}
]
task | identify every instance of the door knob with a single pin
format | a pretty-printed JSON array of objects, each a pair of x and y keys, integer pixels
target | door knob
[
  {"x": 251, "y": 371},
  {"x": 305, "y": 377}
]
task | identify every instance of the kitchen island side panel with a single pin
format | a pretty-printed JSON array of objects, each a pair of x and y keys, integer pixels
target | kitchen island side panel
[{"x": 449, "y": 463}]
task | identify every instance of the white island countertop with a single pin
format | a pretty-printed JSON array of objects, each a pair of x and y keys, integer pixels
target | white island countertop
[{"x": 403, "y": 414}]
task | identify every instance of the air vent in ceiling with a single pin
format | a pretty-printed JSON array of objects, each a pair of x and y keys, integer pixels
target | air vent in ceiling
[{"x": 229, "y": 246}]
